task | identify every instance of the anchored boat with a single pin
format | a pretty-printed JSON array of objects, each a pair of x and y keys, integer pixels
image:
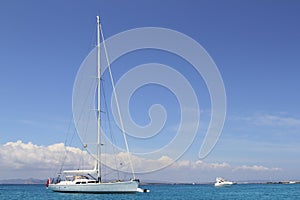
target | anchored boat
[
  {"x": 222, "y": 182},
  {"x": 90, "y": 181}
]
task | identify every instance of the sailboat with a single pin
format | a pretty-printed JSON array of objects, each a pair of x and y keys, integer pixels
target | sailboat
[{"x": 89, "y": 181}]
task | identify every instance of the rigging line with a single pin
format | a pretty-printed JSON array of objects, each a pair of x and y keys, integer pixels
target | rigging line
[
  {"x": 85, "y": 131},
  {"x": 110, "y": 130},
  {"x": 63, "y": 157},
  {"x": 65, "y": 154},
  {"x": 117, "y": 103},
  {"x": 81, "y": 160},
  {"x": 83, "y": 145},
  {"x": 82, "y": 115},
  {"x": 81, "y": 111}
]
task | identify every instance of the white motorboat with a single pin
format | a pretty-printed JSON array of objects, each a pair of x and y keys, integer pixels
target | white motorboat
[{"x": 222, "y": 182}]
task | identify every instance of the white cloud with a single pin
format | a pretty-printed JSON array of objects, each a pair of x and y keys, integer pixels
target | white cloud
[
  {"x": 200, "y": 165},
  {"x": 257, "y": 168},
  {"x": 272, "y": 120},
  {"x": 26, "y": 122},
  {"x": 19, "y": 155},
  {"x": 28, "y": 157}
]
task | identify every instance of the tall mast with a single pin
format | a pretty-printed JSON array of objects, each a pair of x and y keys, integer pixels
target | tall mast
[{"x": 98, "y": 103}]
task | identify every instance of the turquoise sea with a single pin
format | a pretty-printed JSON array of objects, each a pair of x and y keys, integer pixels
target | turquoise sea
[{"x": 161, "y": 192}]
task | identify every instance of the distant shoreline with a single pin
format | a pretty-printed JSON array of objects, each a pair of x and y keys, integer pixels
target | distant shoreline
[{"x": 33, "y": 181}]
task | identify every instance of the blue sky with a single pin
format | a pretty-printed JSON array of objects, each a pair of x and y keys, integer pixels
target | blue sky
[{"x": 255, "y": 45}]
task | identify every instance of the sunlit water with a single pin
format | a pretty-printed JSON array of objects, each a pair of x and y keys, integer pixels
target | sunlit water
[{"x": 161, "y": 192}]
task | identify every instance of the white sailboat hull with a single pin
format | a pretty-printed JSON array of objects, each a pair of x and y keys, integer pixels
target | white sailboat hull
[{"x": 113, "y": 187}]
